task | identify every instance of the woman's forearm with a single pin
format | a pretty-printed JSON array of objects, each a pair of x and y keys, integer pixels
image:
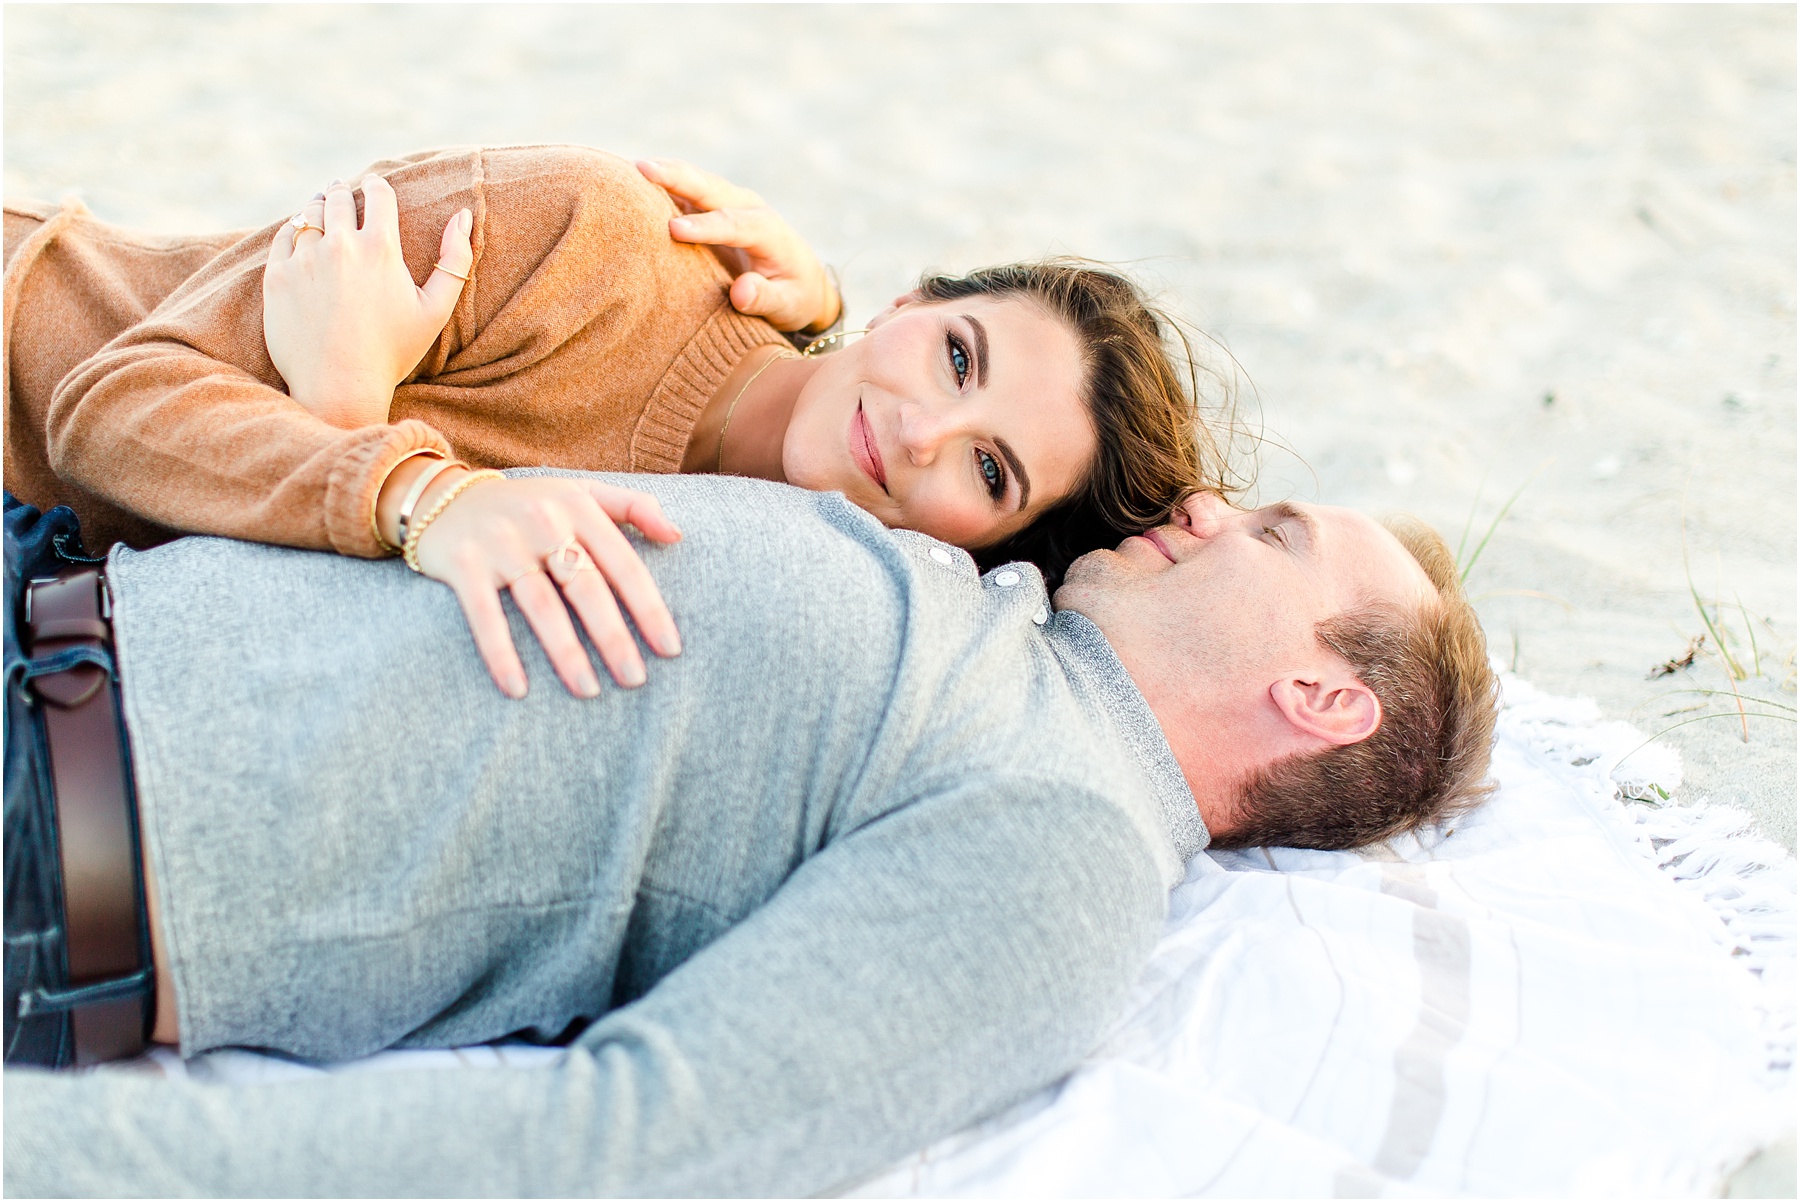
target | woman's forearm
[{"x": 197, "y": 444}]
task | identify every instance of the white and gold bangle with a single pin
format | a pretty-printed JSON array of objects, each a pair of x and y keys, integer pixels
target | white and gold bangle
[
  {"x": 422, "y": 482},
  {"x": 410, "y": 551}
]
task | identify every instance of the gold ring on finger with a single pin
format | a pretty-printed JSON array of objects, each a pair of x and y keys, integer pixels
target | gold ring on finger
[
  {"x": 568, "y": 561},
  {"x": 509, "y": 581},
  {"x": 301, "y": 225}
]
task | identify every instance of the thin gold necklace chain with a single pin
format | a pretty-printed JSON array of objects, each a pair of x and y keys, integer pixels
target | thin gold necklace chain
[{"x": 732, "y": 408}]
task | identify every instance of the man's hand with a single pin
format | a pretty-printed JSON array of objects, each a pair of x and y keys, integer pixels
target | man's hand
[
  {"x": 779, "y": 278},
  {"x": 343, "y": 321}
]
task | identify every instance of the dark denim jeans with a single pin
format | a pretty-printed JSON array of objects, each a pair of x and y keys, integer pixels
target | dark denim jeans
[{"x": 37, "y": 544}]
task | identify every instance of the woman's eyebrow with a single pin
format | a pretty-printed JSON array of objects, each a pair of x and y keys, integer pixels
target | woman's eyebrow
[
  {"x": 981, "y": 353},
  {"x": 1018, "y": 469}
]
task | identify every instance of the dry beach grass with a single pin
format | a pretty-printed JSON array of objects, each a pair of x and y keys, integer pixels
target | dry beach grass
[{"x": 1449, "y": 248}]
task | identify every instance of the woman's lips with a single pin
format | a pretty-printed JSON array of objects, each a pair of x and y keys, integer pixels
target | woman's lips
[{"x": 864, "y": 450}]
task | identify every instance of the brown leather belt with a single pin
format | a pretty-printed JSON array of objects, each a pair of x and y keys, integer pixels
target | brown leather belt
[{"x": 110, "y": 993}]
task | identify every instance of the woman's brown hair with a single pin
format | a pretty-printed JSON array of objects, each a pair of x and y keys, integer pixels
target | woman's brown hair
[{"x": 1153, "y": 447}]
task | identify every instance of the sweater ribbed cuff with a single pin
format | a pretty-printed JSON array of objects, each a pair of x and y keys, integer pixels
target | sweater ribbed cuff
[{"x": 356, "y": 481}]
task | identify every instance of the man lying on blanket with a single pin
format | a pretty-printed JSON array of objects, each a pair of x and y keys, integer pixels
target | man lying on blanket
[{"x": 878, "y": 854}]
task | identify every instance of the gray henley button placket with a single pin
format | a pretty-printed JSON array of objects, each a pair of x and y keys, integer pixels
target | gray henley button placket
[{"x": 942, "y": 556}]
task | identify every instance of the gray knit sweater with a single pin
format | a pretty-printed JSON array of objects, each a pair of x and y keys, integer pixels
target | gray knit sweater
[{"x": 880, "y": 853}]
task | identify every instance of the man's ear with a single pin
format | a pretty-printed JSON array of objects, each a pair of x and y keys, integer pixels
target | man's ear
[
  {"x": 899, "y": 303},
  {"x": 1341, "y": 710}
]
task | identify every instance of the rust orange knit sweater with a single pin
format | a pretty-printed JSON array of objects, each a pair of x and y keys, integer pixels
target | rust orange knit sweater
[{"x": 140, "y": 393}]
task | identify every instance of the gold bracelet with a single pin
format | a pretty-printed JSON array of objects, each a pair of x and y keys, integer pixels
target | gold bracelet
[
  {"x": 375, "y": 506},
  {"x": 410, "y": 552}
]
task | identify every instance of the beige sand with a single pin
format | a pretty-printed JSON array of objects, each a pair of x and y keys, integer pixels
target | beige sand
[{"x": 1451, "y": 247}]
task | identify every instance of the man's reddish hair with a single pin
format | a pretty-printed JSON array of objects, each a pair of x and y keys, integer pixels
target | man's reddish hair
[{"x": 1428, "y": 759}]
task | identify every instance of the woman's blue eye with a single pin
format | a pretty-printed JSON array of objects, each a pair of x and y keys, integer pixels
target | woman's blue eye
[
  {"x": 959, "y": 359},
  {"x": 992, "y": 473}
]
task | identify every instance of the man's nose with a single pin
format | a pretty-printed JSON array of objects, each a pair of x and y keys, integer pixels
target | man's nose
[{"x": 1201, "y": 514}]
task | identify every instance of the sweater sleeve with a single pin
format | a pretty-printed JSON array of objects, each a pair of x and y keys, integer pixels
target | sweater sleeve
[
  {"x": 184, "y": 420},
  {"x": 918, "y": 974}
]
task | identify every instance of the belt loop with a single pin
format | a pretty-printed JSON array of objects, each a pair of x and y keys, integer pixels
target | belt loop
[
  {"x": 72, "y": 657},
  {"x": 51, "y": 1001}
]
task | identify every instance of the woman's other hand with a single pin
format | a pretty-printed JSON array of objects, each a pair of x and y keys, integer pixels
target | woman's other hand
[
  {"x": 778, "y": 276},
  {"x": 343, "y": 321},
  {"x": 549, "y": 539}
]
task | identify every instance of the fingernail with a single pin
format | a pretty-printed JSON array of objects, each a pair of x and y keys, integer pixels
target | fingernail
[
  {"x": 634, "y": 675},
  {"x": 465, "y": 221},
  {"x": 670, "y": 644},
  {"x": 589, "y": 686},
  {"x": 318, "y": 196},
  {"x": 334, "y": 183},
  {"x": 515, "y": 687},
  {"x": 681, "y": 223}
]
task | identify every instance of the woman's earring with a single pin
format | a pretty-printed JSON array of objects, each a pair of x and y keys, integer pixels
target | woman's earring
[{"x": 825, "y": 343}]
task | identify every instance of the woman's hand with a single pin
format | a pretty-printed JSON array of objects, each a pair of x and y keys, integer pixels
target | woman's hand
[
  {"x": 778, "y": 276},
  {"x": 549, "y": 539},
  {"x": 342, "y": 318}
]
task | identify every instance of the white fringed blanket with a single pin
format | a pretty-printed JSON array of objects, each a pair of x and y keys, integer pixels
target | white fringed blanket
[
  {"x": 1571, "y": 992},
  {"x": 1568, "y": 993}
]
